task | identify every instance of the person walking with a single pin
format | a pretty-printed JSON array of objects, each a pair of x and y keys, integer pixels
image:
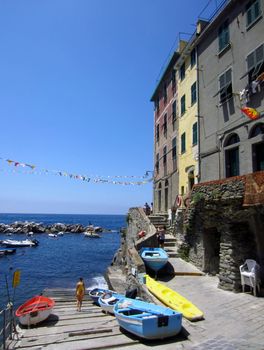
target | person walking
[{"x": 80, "y": 291}]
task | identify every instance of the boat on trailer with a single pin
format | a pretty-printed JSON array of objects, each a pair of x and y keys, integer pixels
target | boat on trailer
[
  {"x": 147, "y": 320},
  {"x": 35, "y": 310}
]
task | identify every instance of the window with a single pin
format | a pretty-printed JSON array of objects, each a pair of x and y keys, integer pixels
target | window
[
  {"x": 193, "y": 57},
  {"x": 232, "y": 156},
  {"x": 225, "y": 82},
  {"x": 157, "y": 133},
  {"x": 165, "y": 92},
  {"x": 183, "y": 143},
  {"x": 223, "y": 36},
  {"x": 165, "y": 126},
  {"x": 182, "y": 71},
  {"x": 173, "y": 80},
  {"x": 157, "y": 163},
  {"x": 166, "y": 195},
  {"x": 255, "y": 63},
  {"x": 183, "y": 108},
  {"x": 164, "y": 155},
  {"x": 258, "y": 148},
  {"x": 174, "y": 154},
  {"x": 157, "y": 105},
  {"x": 195, "y": 134},
  {"x": 193, "y": 93},
  {"x": 165, "y": 159},
  {"x": 159, "y": 197},
  {"x": 174, "y": 115},
  {"x": 253, "y": 10}
]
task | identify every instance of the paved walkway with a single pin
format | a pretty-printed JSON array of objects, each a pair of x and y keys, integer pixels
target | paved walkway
[{"x": 233, "y": 321}]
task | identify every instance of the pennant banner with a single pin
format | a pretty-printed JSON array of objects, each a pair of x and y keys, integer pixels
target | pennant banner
[{"x": 93, "y": 178}]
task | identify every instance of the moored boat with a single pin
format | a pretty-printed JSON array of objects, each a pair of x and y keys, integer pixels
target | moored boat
[
  {"x": 5, "y": 251},
  {"x": 96, "y": 293},
  {"x": 147, "y": 320},
  {"x": 108, "y": 300},
  {"x": 174, "y": 300},
  {"x": 22, "y": 243},
  {"x": 35, "y": 310},
  {"x": 91, "y": 234},
  {"x": 53, "y": 235},
  {"x": 154, "y": 258}
]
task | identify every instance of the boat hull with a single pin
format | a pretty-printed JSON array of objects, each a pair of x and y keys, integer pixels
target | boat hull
[
  {"x": 146, "y": 320},
  {"x": 174, "y": 300},
  {"x": 96, "y": 293},
  {"x": 35, "y": 310},
  {"x": 154, "y": 258},
  {"x": 108, "y": 301}
]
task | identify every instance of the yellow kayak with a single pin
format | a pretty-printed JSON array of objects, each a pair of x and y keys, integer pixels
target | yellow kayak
[{"x": 174, "y": 300}]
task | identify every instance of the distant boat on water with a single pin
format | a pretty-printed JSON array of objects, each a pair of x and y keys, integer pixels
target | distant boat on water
[{"x": 20, "y": 243}]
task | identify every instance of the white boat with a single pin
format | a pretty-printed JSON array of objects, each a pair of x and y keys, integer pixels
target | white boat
[
  {"x": 60, "y": 233},
  {"x": 108, "y": 300},
  {"x": 30, "y": 233},
  {"x": 53, "y": 235},
  {"x": 23, "y": 243},
  {"x": 91, "y": 234}
]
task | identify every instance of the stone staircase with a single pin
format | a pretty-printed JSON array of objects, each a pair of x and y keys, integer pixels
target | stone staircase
[
  {"x": 170, "y": 241},
  {"x": 170, "y": 246}
]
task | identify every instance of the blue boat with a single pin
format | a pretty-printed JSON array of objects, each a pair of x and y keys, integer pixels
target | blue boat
[
  {"x": 147, "y": 320},
  {"x": 108, "y": 301},
  {"x": 154, "y": 258},
  {"x": 96, "y": 293}
]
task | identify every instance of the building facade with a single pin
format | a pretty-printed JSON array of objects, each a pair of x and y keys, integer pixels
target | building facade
[
  {"x": 165, "y": 140},
  {"x": 230, "y": 56}
]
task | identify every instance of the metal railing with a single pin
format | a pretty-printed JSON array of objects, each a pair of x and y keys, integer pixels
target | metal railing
[{"x": 8, "y": 326}]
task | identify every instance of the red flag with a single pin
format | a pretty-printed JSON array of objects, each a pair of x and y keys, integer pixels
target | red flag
[{"x": 251, "y": 113}]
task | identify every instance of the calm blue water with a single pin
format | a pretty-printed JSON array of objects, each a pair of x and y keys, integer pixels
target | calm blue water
[{"x": 59, "y": 262}]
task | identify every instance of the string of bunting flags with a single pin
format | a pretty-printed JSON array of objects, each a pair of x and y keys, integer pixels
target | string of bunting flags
[{"x": 115, "y": 179}]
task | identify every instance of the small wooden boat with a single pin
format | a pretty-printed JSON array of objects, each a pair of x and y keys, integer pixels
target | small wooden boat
[
  {"x": 35, "y": 310},
  {"x": 23, "y": 243},
  {"x": 96, "y": 293},
  {"x": 154, "y": 258},
  {"x": 108, "y": 300},
  {"x": 147, "y": 320},
  {"x": 174, "y": 300}
]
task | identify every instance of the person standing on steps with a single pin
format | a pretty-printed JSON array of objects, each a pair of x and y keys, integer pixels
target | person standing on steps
[
  {"x": 80, "y": 291},
  {"x": 161, "y": 236}
]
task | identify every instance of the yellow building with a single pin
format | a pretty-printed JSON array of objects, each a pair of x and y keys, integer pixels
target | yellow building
[{"x": 188, "y": 152}]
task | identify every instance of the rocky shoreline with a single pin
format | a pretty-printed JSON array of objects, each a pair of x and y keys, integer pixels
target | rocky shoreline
[{"x": 26, "y": 227}]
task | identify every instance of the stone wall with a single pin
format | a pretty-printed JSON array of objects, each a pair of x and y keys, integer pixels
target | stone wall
[
  {"x": 127, "y": 259},
  {"x": 222, "y": 227}
]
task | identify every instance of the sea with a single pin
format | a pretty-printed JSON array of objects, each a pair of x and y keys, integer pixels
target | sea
[{"x": 58, "y": 262}]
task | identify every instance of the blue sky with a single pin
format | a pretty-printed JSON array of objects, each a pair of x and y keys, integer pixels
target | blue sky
[{"x": 76, "y": 77}]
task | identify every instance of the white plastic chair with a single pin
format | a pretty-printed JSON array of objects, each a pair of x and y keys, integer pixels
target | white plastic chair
[{"x": 250, "y": 276}]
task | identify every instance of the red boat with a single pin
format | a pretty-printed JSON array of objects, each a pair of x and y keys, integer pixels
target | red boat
[{"x": 35, "y": 310}]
